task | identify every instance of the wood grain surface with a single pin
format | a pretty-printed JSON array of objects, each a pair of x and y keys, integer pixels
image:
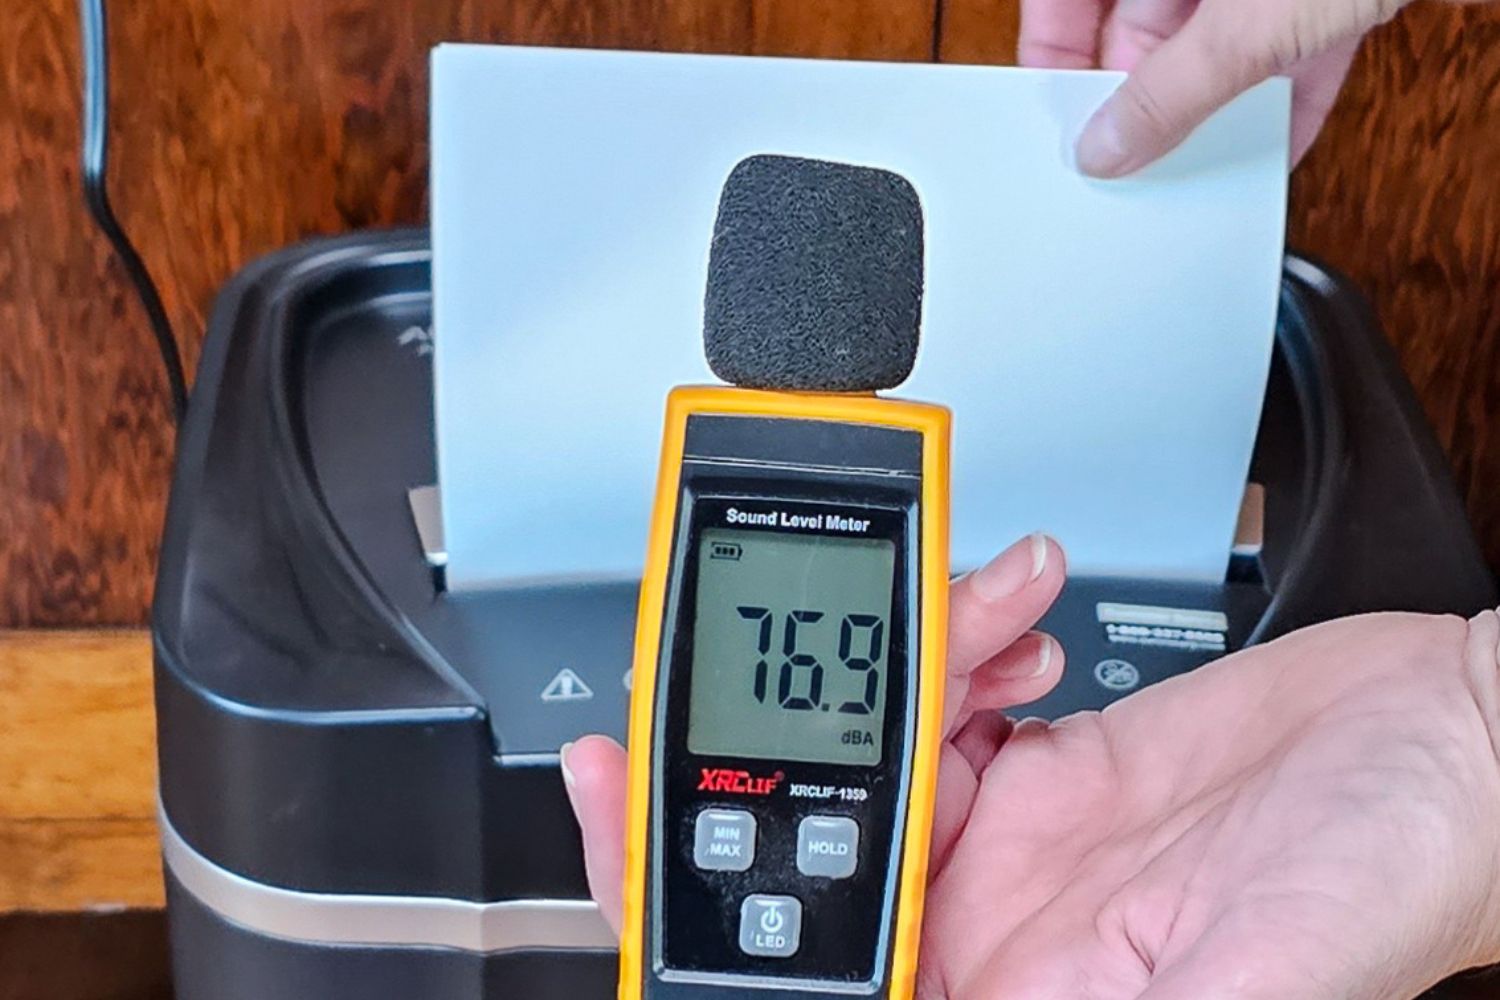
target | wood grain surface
[
  {"x": 1402, "y": 192},
  {"x": 240, "y": 126},
  {"x": 77, "y": 772},
  {"x": 84, "y": 956},
  {"x": 244, "y": 125}
]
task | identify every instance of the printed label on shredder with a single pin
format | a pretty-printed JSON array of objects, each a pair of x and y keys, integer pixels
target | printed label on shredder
[{"x": 1171, "y": 628}]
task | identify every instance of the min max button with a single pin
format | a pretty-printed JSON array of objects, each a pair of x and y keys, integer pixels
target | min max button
[{"x": 724, "y": 840}]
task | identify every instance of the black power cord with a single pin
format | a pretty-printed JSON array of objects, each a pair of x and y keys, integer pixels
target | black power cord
[{"x": 96, "y": 194}]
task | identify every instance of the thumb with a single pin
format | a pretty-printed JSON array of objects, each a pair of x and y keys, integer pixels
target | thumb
[
  {"x": 594, "y": 773},
  {"x": 1222, "y": 51}
]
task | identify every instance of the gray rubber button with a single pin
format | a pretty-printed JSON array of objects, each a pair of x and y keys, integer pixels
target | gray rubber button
[
  {"x": 724, "y": 840},
  {"x": 770, "y": 926},
  {"x": 827, "y": 846}
]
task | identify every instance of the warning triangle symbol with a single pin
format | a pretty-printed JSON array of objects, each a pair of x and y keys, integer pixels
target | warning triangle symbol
[{"x": 567, "y": 686}]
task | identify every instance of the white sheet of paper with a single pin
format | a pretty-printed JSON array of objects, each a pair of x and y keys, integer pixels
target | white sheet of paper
[{"x": 1103, "y": 345}]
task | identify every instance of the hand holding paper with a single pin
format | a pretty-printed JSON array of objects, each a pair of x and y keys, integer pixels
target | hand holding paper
[{"x": 1188, "y": 58}]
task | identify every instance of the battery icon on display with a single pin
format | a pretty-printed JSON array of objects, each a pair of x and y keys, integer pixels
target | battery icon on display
[{"x": 724, "y": 550}]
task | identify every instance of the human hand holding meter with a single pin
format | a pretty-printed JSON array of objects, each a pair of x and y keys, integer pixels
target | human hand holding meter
[
  {"x": 994, "y": 661},
  {"x": 1314, "y": 818}
]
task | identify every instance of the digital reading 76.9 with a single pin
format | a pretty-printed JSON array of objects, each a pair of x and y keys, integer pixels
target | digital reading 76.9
[{"x": 790, "y": 644}]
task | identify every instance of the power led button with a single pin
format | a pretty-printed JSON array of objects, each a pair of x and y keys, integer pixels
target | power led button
[{"x": 770, "y": 926}]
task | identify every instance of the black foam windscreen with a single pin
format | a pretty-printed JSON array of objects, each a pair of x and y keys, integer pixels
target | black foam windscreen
[{"x": 814, "y": 277}]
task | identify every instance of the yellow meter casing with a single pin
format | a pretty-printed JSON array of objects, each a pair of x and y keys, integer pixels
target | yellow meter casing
[{"x": 787, "y": 691}]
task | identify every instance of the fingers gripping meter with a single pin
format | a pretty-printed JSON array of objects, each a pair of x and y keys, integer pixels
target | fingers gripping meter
[{"x": 788, "y": 677}]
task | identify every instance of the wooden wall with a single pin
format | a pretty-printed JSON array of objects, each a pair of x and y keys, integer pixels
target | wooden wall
[
  {"x": 243, "y": 125},
  {"x": 92, "y": 956}
]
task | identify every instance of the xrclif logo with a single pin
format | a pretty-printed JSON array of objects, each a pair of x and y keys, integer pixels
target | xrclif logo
[{"x": 724, "y": 779}]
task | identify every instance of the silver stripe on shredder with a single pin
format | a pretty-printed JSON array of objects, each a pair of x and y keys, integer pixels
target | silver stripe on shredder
[{"x": 395, "y": 921}]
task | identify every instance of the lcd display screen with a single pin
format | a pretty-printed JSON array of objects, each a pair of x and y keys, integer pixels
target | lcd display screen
[{"x": 790, "y": 646}]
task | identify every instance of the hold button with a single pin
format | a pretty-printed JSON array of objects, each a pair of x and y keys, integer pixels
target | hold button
[{"x": 828, "y": 846}]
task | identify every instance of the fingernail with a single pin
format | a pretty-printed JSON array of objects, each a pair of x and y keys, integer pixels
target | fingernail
[
  {"x": 1012, "y": 569},
  {"x": 1038, "y": 555},
  {"x": 562, "y": 762},
  {"x": 1036, "y": 665},
  {"x": 1043, "y": 657},
  {"x": 1101, "y": 150}
]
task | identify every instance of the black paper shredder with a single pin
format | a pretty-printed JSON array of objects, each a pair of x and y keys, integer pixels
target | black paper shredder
[{"x": 360, "y": 795}]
